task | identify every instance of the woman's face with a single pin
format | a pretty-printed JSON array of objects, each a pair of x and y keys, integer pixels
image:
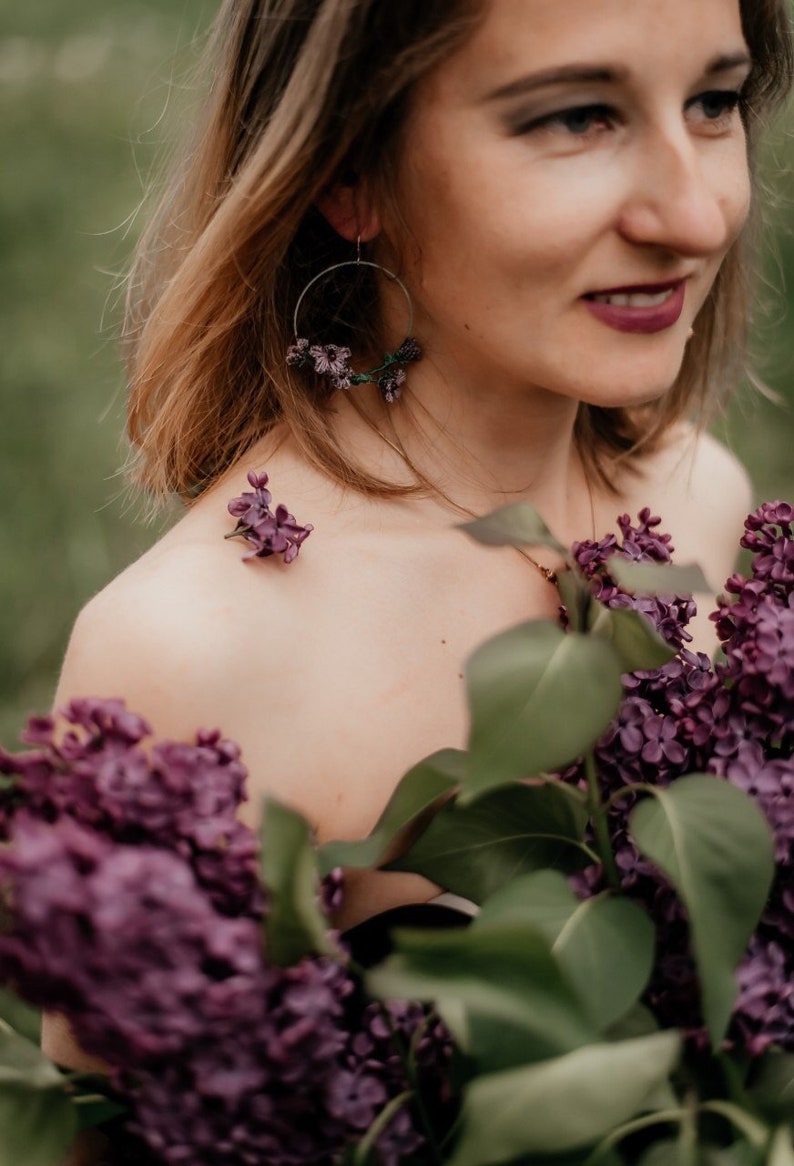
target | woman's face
[{"x": 572, "y": 179}]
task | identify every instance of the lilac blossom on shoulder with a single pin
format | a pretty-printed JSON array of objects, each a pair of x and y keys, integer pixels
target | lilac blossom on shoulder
[{"x": 269, "y": 532}]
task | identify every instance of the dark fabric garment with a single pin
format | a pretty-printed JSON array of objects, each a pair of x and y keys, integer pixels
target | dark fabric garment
[{"x": 371, "y": 942}]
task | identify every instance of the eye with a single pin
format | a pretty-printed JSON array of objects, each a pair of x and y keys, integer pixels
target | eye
[
  {"x": 579, "y": 122},
  {"x": 715, "y": 109}
]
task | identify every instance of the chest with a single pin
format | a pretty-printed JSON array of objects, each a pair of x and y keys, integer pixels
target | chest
[{"x": 376, "y": 681}]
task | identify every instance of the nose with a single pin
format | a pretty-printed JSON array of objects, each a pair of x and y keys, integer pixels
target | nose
[{"x": 686, "y": 196}]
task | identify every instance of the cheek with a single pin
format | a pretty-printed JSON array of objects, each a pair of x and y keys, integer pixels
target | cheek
[
  {"x": 491, "y": 230},
  {"x": 739, "y": 208},
  {"x": 734, "y": 190}
]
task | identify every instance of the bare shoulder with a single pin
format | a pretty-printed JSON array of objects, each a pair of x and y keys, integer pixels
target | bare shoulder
[
  {"x": 705, "y": 471},
  {"x": 703, "y": 494},
  {"x": 177, "y": 627},
  {"x": 189, "y": 636}
]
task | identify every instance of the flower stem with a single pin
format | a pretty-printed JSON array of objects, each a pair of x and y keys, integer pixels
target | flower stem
[
  {"x": 637, "y": 787},
  {"x": 687, "y": 1145},
  {"x": 599, "y": 820},
  {"x": 410, "y": 1074}
]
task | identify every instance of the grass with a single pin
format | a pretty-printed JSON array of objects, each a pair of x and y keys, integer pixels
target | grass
[
  {"x": 79, "y": 88},
  {"x": 85, "y": 95}
]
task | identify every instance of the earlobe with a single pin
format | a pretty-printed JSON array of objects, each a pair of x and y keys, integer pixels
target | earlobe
[{"x": 346, "y": 208}]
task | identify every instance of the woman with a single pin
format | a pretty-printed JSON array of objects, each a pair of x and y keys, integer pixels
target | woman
[{"x": 563, "y": 189}]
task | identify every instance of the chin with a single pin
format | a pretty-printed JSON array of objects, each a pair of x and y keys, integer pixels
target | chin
[{"x": 624, "y": 388}]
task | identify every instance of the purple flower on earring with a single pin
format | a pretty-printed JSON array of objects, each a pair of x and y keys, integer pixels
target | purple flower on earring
[
  {"x": 269, "y": 533},
  {"x": 298, "y": 353},
  {"x": 408, "y": 351},
  {"x": 390, "y": 384},
  {"x": 331, "y": 360}
]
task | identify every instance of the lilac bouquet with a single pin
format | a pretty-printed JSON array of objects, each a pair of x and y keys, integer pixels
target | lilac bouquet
[
  {"x": 734, "y": 719},
  {"x": 623, "y": 816},
  {"x": 135, "y": 909}
]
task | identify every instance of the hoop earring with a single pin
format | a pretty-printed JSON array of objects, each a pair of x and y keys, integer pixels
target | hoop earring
[{"x": 333, "y": 360}]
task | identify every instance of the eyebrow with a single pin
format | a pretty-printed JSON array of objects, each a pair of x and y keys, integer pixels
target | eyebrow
[{"x": 582, "y": 74}]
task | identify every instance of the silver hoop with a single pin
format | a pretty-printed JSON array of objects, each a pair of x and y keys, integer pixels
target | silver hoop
[
  {"x": 355, "y": 263},
  {"x": 333, "y": 360}
]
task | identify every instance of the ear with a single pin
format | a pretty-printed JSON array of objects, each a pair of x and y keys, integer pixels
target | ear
[{"x": 348, "y": 208}]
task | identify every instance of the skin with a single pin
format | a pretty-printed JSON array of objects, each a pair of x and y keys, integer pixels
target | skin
[{"x": 337, "y": 673}]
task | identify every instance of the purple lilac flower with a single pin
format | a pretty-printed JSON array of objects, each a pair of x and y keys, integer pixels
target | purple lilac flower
[
  {"x": 130, "y": 903},
  {"x": 390, "y": 384},
  {"x": 117, "y": 936},
  {"x": 331, "y": 360},
  {"x": 269, "y": 533},
  {"x": 356, "y": 1097},
  {"x": 298, "y": 353},
  {"x": 327, "y": 1083},
  {"x": 410, "y": 350},
  {"x": 764, "y": 1015},
  {"x": 342, "y": 381},
  {"x": 332, "y": 892},
  {"x": 734, "y": 719},
  {"x": 641, "y": 543},
  {"x": 224, "y": 1060},
  {"x": 181, "y": 797}
]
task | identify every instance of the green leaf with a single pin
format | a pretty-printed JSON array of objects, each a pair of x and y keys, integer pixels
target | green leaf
[
  {"x": 539, "y": 698},
  {"x": 659, "y": 578},
  {"x": 364, "y": 1152},
  {"x": 475, "y": 849},
  {"x": 714, "y": 845},
  {"x": 494, "y": 1044},
  {"x": 772, "y": 1088},
  {"x": 294, "y": 925},
  {"x": 543, "y": 899},
  {"x": 671, "y": 1153},
  {"x": 94, "y": 1110},
  {"x": 663, "y": 1153},
  {"x": 37, "y": 1126},
  {"x": 516, "y": 525},
  {"x": 638, "y": 1021},
  {"x": 633, "y": 636},
  {"x": 607, "y": 949},
  {"x": 756, "y": 1133},
  {"x": 562, "y": 1104},
  {"x": 673, "y": 1114},
  {"x": 605, "y": 945},
  {"x": 23, "y": 1064},
  {"x": 506, "y": 973},
  {"x": 20, "y": 1016},
  {"x": 781, "y": 1149},
  {"x": 577, "y": 598},
  {"x": 412, "y": 802}
]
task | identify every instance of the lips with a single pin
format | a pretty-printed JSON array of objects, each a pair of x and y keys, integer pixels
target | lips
[{"x": 644, "y": 308}]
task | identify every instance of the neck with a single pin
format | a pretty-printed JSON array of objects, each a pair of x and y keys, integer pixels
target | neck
[{"x": 479, "y": 448}]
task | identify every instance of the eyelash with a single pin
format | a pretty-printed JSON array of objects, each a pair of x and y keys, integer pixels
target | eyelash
[{"x": 727, "y": 100}]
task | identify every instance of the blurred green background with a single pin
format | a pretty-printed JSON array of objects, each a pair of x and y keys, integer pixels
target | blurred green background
[{"x": 89, "y": 92}]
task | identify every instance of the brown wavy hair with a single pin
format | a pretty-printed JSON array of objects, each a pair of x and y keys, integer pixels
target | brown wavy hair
[{"x": 303, "y": 94}]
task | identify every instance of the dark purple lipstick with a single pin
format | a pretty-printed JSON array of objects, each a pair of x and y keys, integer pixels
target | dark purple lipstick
[{"x": 644, "y": 308}]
